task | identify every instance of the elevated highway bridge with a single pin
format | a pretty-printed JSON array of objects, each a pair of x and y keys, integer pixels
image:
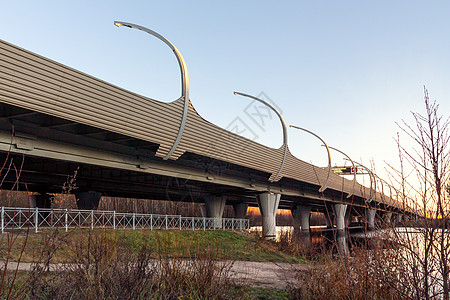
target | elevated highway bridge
[{"x": 56, "y": 121}]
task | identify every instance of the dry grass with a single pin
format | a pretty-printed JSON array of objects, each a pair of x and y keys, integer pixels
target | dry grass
[
  {"x": 108, "y": 264},
  {"x": 362, "y": 276},
  {"x": 100, "y": 269},
  {"x": 231, "y": 245}
]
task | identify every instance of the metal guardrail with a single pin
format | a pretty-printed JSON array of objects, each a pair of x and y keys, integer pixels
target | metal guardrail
[{"x": 38, "y": 218}]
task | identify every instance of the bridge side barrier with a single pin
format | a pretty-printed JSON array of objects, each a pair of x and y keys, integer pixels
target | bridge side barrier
[{"x": 40, "y": 218}]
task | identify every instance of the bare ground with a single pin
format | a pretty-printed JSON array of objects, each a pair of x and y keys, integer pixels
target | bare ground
[{"x": 257, "y": 274}]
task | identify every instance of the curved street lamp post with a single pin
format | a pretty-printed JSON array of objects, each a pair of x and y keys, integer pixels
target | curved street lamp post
[
  {"x": 325, "y": 185},
  {"x": 283, "y": 124},
  {"x": 184, "y": 79}
]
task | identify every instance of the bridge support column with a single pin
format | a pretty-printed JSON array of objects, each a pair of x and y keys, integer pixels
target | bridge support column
[
  {"x": 41, "y": 200},
  {"x": 370, "y": 215},
  {"x": 387, "y": 218},
  {"x": 399, "y": 218},
  {"x": 88, "y": 200},
  {"x": 301, "y": 215},
  {"x": 240, "y": 210},
  {"x": 214, "y": 206},
  {"x": 268, "y": 205},
  {"x": 203, "y": 210},
  {"x": 340, "y": 210}
]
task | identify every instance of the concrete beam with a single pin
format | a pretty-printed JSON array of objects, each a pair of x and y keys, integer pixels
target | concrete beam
[{"x": 268, "y": 205}]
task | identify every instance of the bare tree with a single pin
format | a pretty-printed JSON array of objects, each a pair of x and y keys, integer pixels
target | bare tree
[{"x": 422, "y": 176}]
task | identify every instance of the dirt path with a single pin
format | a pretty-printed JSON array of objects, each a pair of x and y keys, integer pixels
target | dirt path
[
  {"x": 260, "y": 274},
  {"x": 267, "y": 274}
]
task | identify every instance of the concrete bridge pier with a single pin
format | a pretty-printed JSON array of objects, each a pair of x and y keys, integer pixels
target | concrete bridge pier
[
  {"x": 240, "y": 210},
  {"x": 399, "y": 218},
  {"x": 268, "y": 205},
  {"x": 340, "y": 212},
  {"x": 388, "y": 218},
  {"x": 214, "y": 206},
  {"x": 41, "y": 200},
  {"x": 88, "y": 200},
  {"x": 203, "y": 210},
  {"x": 370, "y": 216},
  {"x": 301, "y": 215}
]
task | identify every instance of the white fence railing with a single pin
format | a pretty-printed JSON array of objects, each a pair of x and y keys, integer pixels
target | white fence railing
[{"x": 36, "y": 218}]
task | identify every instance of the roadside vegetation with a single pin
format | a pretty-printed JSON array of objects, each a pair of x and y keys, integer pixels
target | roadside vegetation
[
  {"x": 141, "y": 264},
  {"x": 98, "y": 266},
  {"x": 173, "y": 243}
]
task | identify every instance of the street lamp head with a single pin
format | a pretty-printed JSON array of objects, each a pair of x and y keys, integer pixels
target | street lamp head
[{"x": 118, "y": 24}]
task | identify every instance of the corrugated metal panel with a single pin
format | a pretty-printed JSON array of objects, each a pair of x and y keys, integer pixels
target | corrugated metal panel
[{"x": 34, "y": 82}]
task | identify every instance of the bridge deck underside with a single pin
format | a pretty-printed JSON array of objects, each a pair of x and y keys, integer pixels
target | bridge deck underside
[{"x": 46, "y": 150}]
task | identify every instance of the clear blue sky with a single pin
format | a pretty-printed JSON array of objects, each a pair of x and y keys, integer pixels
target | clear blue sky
[{"x": 347, "y": 70}]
